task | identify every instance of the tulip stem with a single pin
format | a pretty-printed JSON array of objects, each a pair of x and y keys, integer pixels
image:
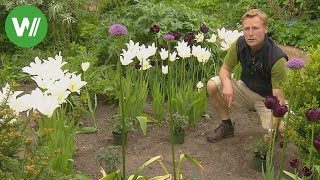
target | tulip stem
[
  {"x": 283, "y": 155},
  {"x": 310, "y": 156}
]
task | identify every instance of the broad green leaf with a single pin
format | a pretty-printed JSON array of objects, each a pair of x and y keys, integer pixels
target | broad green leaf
[
  {"x": 165, "y": 177},
  {"x": 143, "y": 124},
  {"x": 141, "y": 168},
  {"x": 293, "y": 176},
  {"x": 112, "y": 176},
  {"x": 182, "y": 156}
]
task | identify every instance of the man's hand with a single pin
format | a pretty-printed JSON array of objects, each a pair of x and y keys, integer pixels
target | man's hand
[{"x": 227, "y": 92}]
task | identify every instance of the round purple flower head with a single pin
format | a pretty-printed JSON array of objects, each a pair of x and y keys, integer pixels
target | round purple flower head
[
  {"x": 168, "y": 37},
  {"x": 296, "y": 63},
  {"x": 118, "y": 30}
]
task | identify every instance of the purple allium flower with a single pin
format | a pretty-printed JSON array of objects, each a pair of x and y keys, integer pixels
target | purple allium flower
[
  {"x": 168, "y": 37},
  {"x": 316, "y": 143},
  {"x": 296, "y": 63},
  {"x": 271, "y": 101},
  {"x": 294, "y": 163},
  {"x": 118, "y": 30},
  {"x": 306, "y": 171},
  {"x": 204, "y": 29},
  {"x": 313, "y": 115},
  {"x": 280, "y": 110},
  {"x": 154, "y": 29}
]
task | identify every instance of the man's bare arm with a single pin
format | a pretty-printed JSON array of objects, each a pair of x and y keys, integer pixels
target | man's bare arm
[{"x": 225, "y": 77}]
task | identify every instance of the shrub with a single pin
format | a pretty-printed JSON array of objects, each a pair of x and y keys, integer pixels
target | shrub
[{"x": 306, "y": 94}]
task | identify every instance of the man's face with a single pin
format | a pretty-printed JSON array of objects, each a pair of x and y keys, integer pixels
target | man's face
[{"x": 254, "y": 31}]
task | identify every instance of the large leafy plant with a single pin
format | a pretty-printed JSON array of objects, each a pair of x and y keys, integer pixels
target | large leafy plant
[{"x": 307, "y": 95}]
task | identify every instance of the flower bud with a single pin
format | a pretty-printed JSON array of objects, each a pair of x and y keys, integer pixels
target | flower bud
[{"x": 271, "y": 101}]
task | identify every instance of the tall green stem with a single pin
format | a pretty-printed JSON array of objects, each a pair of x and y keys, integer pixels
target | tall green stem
[
  {"x": 283, "y": 155},
  {"x": 123, "y": 123},
  {"x": 171, "y": 118},
  {"x": 311, "y": 145}
]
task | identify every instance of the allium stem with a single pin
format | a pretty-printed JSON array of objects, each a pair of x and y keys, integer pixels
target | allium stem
[
  {"x": 123, "y": 124},
  {"x": 171, "y": 117},
  {"x": 283, "y": 155}
]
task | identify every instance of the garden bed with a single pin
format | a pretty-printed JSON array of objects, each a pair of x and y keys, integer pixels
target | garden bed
[{"x": 228, "y": 159}]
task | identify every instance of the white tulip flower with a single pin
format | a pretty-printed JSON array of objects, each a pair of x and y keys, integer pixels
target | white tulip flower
[
  {"x": 199, "y": 37},
  {"x": 183, "y": 49},
  {"x": 199, "y": 85},
  {"x": 85, "y": 66},
  {"x": 165, "y": 69},
  {"x": 213, "y": 38},
  {"x": 163, "y": 54}
]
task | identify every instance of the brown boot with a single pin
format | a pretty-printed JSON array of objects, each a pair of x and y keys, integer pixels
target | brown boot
[{"x": 223, "y": 131}]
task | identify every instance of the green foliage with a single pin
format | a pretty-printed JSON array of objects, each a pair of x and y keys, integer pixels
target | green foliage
[
  {"x": 116, "y": 124},
  {"x": 109, "y": 158},
  {"x": 189, "y": 102},
  {"x": 23, "y": 152},
  {"x": 157, "y": 102},
  {"x": 101, "y": 81},
  {"x": 180, "y": 122},
  {"x": 260, "y": 149},
  {"x": 304, "y": 89},
  {"x": 296, "y": 32}
]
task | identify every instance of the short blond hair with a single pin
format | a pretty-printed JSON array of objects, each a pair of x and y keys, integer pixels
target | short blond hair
[{"x": 256, "y": 12}]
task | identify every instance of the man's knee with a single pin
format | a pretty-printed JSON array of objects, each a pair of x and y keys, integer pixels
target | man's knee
[{"x": 212, "y": 87}]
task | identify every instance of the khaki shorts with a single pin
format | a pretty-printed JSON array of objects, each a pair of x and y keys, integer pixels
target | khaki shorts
[{"x": 244, "y": 97}]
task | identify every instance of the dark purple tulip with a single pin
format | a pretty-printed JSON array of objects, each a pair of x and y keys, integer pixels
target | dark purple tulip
[
  {"x": 176, "y": 35},
  {"x": 154, "y": 29},
  {"x": 152, "y": 63},
  {"x": 189, "y": 37},
  {"x": 280, "y": 110},
  {"x": 294, "y": 163},
  {"x": 316, "y": 143},
  {"x": 162, "y": 46},
  {"x": 137, "y": 65},
  {"x": 313, "y": 115},
  {"x": 306, "y": 171},
  {"x": 281, "y": 144},
  {"x": 271, "y": 101},
  {"x": 204, "y": 28}
]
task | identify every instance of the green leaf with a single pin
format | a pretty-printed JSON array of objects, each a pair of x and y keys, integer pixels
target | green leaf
[
  {"x": 293, "y": 176},
  {"x": 182, "y": 156},
  {"x": 141, "y": 168},
  {"x": 112, "y": 176},
  {"x": 143, "y": 124}
]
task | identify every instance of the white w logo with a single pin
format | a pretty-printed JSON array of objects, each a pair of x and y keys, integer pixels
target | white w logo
[{"x": 25, "y": 25}]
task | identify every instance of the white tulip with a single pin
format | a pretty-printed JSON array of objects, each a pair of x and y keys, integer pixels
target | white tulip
[
  {"x": 165, "y": 69},
  {"x": 85, "y": 66},
  {"x": 163, "y": 54}
]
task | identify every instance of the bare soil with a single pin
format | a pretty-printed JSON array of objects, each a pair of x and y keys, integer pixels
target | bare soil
[{"x": 229, "y": 159}]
